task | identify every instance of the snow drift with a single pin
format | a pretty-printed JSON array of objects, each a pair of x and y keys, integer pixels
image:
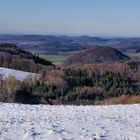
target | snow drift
[{"x": 19, "y": 75}]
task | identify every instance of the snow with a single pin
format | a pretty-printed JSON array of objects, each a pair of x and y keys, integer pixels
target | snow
[
  {"x": 44, "y": 122},
  {"x": 19, "y": 75}
]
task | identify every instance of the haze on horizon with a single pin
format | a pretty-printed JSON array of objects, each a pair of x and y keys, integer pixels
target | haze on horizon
[{"x": 70, "y": 17}]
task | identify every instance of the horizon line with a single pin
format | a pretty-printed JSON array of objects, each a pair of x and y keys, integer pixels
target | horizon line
[{"x": 68, "y": 35}]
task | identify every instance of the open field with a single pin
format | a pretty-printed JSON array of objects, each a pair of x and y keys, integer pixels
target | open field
[
  {"x": 56, "y": 59},
  {"x": 137, "y": 55}
]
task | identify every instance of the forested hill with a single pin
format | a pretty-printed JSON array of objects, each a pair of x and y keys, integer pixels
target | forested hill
[
  {"x": 97, "y": 55},
  {"x": 12, "y": 57}
]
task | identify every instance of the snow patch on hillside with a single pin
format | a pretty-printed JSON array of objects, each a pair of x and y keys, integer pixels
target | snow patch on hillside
[
  {"x": 19, "y": 75},
  {"x": 44, "y": 122}
]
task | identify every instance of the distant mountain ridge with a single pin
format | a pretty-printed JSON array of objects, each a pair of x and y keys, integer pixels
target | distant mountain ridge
[
  {"x": 57, "y": 44},
  {"x": 96, "y": 55}
]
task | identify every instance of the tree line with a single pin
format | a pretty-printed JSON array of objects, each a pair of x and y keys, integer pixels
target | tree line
[{"x": 77, "y": 87}]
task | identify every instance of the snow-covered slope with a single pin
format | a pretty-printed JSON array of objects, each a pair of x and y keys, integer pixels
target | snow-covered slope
[
  {"x": 40, "y": 122},
  {"x": 19, "y": 75}
]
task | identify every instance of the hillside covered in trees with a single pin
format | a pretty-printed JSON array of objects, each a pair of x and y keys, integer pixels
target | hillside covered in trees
[
  {"x": 98, "y": 84},
  {"x": 13, "y": 57},
  {"x": 117, "y": 81},
  {"x": 97, "y": 55}
]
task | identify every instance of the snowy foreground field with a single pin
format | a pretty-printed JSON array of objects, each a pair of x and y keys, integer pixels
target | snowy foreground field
[{"x": 40, "y": 122}]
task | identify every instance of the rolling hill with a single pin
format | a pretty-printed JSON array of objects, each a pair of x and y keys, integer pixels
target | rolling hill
[
  {"x": 96, "y": 55},
  {"x": 15, "y": 58}
]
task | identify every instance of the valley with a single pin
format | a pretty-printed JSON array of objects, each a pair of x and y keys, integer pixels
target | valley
[{"x": 93, "y": 76}]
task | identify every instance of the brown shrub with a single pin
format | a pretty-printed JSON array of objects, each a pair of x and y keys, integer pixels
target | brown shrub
[
  {"x": 124, "y": 99},
  {"x": 9, "y": 86},
  {"x": 54, "y": 77}
]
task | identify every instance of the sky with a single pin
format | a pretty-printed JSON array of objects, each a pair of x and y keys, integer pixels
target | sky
[{"x": 71, "y": 17}]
